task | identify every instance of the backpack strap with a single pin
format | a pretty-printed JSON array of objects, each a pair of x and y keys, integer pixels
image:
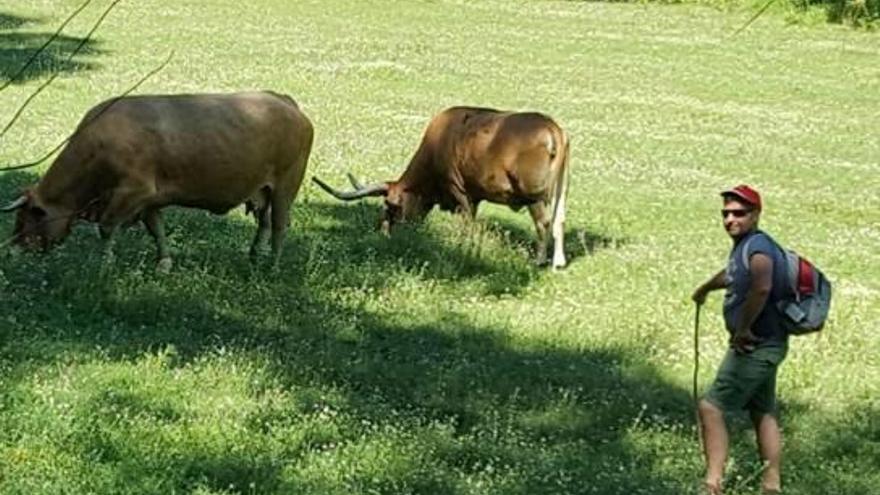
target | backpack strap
[
  {"x": 799, "y": 273},
  {"x": 745, "y": 251}
]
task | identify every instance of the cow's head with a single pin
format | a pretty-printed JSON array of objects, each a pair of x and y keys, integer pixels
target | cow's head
[
  {"x": 37, "y": 226},
  {"x": 401, "y": 203}
]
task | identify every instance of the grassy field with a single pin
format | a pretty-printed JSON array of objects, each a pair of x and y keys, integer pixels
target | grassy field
[{"x": 440, "y": 361}]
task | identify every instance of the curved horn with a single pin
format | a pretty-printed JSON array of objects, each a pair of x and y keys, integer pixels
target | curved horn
[
  {"x": 18, "y": 203},
  {"x": 380, "y": 189},
  {"x": 354, "y": 182}
]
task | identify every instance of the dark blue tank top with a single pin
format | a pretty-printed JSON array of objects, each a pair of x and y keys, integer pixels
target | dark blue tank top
[{"x": 768, "y": 325}]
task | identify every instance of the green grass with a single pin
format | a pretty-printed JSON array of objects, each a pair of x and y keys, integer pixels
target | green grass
[{"x": 440, "y": 361}]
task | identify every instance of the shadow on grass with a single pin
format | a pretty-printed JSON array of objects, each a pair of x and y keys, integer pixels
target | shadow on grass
[
  {"x": 845, "y": 444},
  {"x": 16, "y": 48},
  {"x": 559, "y": 419},
  {"x": 363, "y": 219},
  {"x": 9, "y": 21},
  {"x": 578, "y": 242},
  {"x": 463, "y": 401}
]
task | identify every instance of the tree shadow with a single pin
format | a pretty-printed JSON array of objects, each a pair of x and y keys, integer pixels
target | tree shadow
[
  {"x": 13, "y": 183},
  {"x": 9, "y": 21},
  {"x": 461, "y": 396},
  {"x": 555, "y": 416},
  {"x": 846, "y": 443},
  {"x": 16, "y": 48}
]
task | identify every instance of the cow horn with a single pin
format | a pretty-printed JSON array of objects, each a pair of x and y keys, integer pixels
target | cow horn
[
  {"x": 380, "y": 189},
  {"x": 354, "y": 182},
  {"x": 18, "y": 203}
]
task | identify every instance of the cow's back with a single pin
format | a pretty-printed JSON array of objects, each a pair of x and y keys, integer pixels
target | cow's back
[
  {"x": 453, "y": 142},
  {"x": 211, "y": 151},
  {"x": 480, "y": 134},
  {"x": 504, "y": 157}
]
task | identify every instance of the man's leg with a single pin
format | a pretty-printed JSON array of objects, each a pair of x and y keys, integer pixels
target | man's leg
[
  {"x": 716, "y": 440},
  {"x": 762, "y": 408},
  {"x": 770, "y": 449}
]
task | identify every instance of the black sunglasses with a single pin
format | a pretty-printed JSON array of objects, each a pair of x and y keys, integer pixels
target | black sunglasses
[{"x": 737, "y": 213}]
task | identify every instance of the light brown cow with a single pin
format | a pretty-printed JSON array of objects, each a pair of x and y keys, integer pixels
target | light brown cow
[
  {"x": 469, "y": 155},
  {"x": 133, "y": 156}
]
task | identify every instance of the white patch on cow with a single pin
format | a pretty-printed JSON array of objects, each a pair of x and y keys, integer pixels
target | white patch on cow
[{"x": 559, "y": 206}]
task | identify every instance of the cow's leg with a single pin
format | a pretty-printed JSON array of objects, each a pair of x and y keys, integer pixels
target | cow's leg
[
  {"x": 123, "y": 206},
  {"x": 280, "y": 222},
  {"x": 558, "y": 244},
  {"x": 474, "y": 207},
  {"x": 541, "y": 217},
  {"x": 106, "y": 232},
  {"x": 152, "y": 219},
  {"x": 464, "y": 205},
  {"x": 559, "y": 227},
  {"x": 282, "y": 197},
  {"x": 262, "y": 214},
  {"x": 561, "y": 191}
]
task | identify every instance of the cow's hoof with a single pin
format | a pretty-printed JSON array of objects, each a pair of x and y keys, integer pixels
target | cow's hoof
[
  {"x": 164, "y": 265},
  {"x": 558, "y": 264}
]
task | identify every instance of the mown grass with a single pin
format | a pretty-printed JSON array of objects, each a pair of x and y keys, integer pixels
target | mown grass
[{"x": 441, "y": 361}]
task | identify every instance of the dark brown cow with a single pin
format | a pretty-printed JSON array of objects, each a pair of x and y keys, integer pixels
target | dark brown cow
[
  {"x": 469, "y": 155},
  {"x": 133, "y": 156}
]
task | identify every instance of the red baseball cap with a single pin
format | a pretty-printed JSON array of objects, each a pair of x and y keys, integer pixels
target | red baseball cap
[{"x": 746, "y": 194}]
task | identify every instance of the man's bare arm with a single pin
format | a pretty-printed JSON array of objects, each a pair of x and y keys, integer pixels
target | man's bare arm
[
  {"x": 761, "y": 271},
  {"x": 718, "y": 281}
]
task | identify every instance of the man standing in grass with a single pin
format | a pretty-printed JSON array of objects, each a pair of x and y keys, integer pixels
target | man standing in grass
[{"x": 755, "y": 280}]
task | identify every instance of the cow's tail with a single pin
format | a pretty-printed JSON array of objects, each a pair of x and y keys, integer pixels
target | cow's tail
[{"x": 559, "y": 196}]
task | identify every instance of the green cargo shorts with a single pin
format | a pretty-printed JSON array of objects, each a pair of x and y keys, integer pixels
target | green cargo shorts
[{"x": 748, "y": 381}]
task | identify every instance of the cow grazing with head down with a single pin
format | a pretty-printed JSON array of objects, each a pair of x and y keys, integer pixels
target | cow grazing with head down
[
  {"x": 469, "y": 155},
  {"x": 131, "y": 157}
]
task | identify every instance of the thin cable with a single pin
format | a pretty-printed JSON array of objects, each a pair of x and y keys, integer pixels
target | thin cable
[
  {"x": 101, "y": 112},
  {"x": 43, "y": 48},
  {"x": 754, "y": 18},
  {"x": 55, "y": 75}
]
